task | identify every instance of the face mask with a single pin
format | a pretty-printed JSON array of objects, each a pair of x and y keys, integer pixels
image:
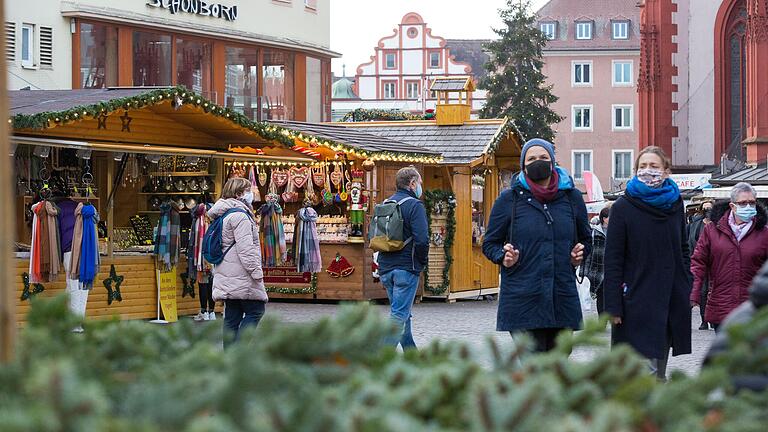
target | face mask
[
  {"x": 652, "y": 178},
  {"x": 539, "y": 170},
  {"x": 248, "y": 197},
  {"x": 418, "y": 191},
  {"x": 746, "y": 213}
]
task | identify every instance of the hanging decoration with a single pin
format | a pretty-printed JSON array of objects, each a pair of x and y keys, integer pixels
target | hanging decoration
[
  {"x": 45, "y": 250},
  {"x": 272, "y": 233},
  {"x": 340, "y": 267},
  {"x": 112, "y": 284},
  {"x": 126, "y": 122},
  {"x": 101, "y": 119},
  {"x": 181, "y": 96},
  {"x": 254, "y": 185},
  {"x": 27, "y": 294},
  {"x": 306, "y": 242},
  {"x": 85, "y": 259},
  {"x": 438, "y": 201}
]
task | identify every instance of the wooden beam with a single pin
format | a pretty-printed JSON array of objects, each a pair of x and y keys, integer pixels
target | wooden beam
[
  {"x": 7, "y": 231},
  {"x": 125, "y": 57}
]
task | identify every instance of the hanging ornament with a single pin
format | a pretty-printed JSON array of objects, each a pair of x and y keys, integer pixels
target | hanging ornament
[
  {"x": 126, "y": 122},
  {"x": 254, "y": 186},
  {"x": 369, "y": 165},
  {"x": 299, "y": 176},
  {"x": 279, "y": 177},
  {"x": 262, "y": 175},
  {"x": 340, "y": 267},
  {"x": 318, "y": 177}
]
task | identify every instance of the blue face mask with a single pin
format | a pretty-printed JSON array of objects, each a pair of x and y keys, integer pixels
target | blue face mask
[
  {"x": 418, "y": 191},
  {"x": 746, "y": 213}
]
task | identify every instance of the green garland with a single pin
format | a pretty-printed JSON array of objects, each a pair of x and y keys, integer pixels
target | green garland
[
  {"x": 431, "y": 198},
  {"x": 363, "y": 114},
  {"x": 311, "y": 289},
  {"x": 506, "y": 127},
  {"x": 26, "y": 294},
  {"x": 180, "y": 95}
]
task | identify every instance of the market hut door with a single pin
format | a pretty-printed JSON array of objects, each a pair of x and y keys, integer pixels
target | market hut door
[{"x": 484, "y": 192}]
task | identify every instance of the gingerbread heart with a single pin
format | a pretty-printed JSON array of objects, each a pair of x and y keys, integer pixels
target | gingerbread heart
[
  {"x": 318, "y": 178},
  {"x": 262, "y": 178},
  {"x": 300, "y": 176},
  {"x": 280, "y": 177},
  {"x": 290, "y": 197},
  {"x": 336, "y": 177}
]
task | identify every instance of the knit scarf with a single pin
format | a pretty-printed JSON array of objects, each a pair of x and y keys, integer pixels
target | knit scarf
[
  {"x": 45, "y": 253},
  {"x": 167, "y": 240},
  {"x": 545, "y": 194},
  {"x": 272, "y": 235},
  {"x": 197, "y": 268},
  {"x": 89, "y": 252},
  {"x": 306, "y": 243},
  {"x": 663, "y": 197}
]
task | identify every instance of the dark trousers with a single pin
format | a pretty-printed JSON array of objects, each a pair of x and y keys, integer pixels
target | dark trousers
[
  {"x": 240, "y": 314},
  {"x": 600, "y": 297},
  {"x": 716, "y": 327},
  {"x": 543, "y": 339},
  {"x": 205, "y": 291},
  {"x": 703, "y": 300}
]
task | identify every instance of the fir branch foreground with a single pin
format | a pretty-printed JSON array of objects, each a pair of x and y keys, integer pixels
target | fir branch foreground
[{"x": 331, "y": 376}]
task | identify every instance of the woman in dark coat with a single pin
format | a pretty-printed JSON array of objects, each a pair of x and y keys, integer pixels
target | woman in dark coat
[
  {"x": 647, "y": 264},
  {"x": 538, "y": 232}
]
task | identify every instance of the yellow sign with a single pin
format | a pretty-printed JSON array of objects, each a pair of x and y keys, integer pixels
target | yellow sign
[{"x": 166, "y": 283}]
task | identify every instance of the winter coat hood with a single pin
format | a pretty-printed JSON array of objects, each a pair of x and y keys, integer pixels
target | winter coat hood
[
  {"x": 721, "y": 208},
  {"x": 225, "y": 204}
]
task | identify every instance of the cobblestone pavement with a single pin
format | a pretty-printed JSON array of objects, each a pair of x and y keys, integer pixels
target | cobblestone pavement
[{"x": 473, "y": 321}]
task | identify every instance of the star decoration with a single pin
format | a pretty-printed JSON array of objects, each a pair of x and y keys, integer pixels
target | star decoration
[
  {"x": 189, "y": 286},
  {"x": 126, "y": 122},
  {"x": 26, "y": 294},
  {"x": 102, "y": 121},
  {"x": 113, "y": 293}
]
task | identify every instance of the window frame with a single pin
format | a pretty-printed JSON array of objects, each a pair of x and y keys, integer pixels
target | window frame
[
  {"x": 629, "y": 83},
  {"x": 310, "y": 5},
  {"x": 614, "y": 152},
  {"x": 575, "y": 128},
  {"x": 30, "y": 62},
  {"x": 590, "y": 25},
  {"x": 575, "y": 63},
  {"x": 553, "y": 24},
  {"x": 385, "y": 54},
  {"x": 439, "y": 59},
  {"x": 625, "y": 23},
  {"x": 418, "y": 89},
  {"x": 591, "y": 154},
  {"x": 631, "y": 119},
  {"x": 384, "y": 84}
]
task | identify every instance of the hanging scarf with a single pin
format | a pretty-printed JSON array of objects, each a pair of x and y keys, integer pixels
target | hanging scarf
[
  {"x": 545, "y": 194},
  {"x": 77, "y": 244},
  {"x": 89, "y": 253},
  {"x": 306, "y": 243},
  {"x": 167, "y": 241},
  {"x": 663, "y": 197},
  {"x": 36, "y": 248},
  {"x": 54, "y": 240},
  {"x": 272, "y": 235},
  {"x": 45, "y": 253},
  {"x": 197, "y": 268}
]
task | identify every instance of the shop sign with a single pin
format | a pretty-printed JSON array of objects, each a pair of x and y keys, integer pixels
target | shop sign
[
  {"x": 166, "y": 284},
  {"x": 287, "y": 274},
  {"x": 691, "y": 181},
  {"x": 197, "y": 7}
]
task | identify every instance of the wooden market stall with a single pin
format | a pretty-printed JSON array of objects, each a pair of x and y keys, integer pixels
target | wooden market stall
[
  {"x": 479, "y": 158},
  {"x": 125, "y": 151}
]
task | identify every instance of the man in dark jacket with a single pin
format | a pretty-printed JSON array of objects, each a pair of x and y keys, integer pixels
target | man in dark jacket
[{"x": 400, "y": 270}]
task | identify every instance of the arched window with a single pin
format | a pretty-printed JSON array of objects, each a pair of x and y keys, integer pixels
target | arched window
[{"x": 736, "y": 78}]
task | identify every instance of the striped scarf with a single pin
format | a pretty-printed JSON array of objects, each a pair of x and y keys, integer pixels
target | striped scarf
[
  {"x": 197, "y": 268},
  {"x": 167, "y": 241},
  {"x": 306, "y": 242},
  {"x": 272, "y": 235}
]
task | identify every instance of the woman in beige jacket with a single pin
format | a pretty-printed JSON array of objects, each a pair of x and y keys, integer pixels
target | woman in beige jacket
[{"x": 238, "y": 279}]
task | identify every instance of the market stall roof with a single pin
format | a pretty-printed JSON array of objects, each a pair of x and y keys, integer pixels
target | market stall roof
[
  {"x": 355, "y": 138},
  {"x": 461, "y": 144},
  {"x": 757, "y": 175},
  {"x": 173, "y": 117}
]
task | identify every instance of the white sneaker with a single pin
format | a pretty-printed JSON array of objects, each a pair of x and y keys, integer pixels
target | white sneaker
[
  {"x": 211, "y": 316},
  {"x": 201, "y": 316}
]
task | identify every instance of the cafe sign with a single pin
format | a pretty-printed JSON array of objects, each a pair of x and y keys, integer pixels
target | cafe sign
[{"x": 197, "y": 7}]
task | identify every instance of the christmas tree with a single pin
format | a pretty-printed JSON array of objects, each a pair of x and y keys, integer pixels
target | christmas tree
[{"x": 515, "y": 84}]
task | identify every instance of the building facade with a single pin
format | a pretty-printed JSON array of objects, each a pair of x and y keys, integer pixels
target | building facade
[
  {"x": 269, "y": 59},
  {"x": 591, "y": 60},
  {"x": 400, "y": 71},
  {"x": 704, "y": 87}
]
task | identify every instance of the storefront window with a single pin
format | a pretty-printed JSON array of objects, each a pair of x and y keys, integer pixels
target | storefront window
[
  {"x": 151, "y": 59},
  {"x": 241, "y": 81},
  {"x": 98, "y": 56},
  {"x": 314, "y": 90},
  {"x": 278, "y": 73},
  {"x": 193, "y": 65}
]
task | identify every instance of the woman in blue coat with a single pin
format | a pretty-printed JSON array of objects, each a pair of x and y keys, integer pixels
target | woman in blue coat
[
  {"x": 537, "y": 233},
  {"x": 647, "y": 264}
]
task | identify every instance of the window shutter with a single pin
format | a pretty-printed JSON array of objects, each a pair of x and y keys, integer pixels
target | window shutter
[
  {"x": 46, "y": 47},
  {"x": 10, "y": 41}
]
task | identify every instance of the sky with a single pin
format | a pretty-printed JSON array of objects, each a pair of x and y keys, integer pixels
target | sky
[{"x": 357, "y": 25}]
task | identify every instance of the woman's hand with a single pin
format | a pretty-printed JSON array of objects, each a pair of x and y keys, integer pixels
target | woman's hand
[
  {"x": 616, "y": 320},
  {"x": 511, "y": 255},
  {"x": 577, "y": 255}
]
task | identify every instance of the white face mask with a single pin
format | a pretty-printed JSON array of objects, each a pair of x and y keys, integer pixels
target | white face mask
[
  {"x": 248, "y": 197},
  {"x": 652, "y": 178}
]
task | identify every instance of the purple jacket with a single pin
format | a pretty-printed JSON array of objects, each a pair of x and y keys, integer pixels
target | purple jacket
[{"x": 730, "y": 265}]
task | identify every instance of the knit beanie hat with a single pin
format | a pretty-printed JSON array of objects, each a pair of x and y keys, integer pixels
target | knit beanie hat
[{"x": 533, "y": 143}]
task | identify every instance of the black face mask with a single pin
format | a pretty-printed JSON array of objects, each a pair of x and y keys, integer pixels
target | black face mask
[
  {"x": 708, "y": 214},
  {"x": 539, "y": 170}
]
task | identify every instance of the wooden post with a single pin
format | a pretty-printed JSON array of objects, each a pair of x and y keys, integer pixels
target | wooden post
[
  {"x": 110, "y": 209},
  {"x": 7, "y": 231}
]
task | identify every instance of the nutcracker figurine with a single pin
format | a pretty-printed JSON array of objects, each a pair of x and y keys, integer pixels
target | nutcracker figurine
[{"x": 358, "y": 205}]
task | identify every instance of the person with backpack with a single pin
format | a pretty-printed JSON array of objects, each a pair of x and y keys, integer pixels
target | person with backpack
[
  {"x": 538, "y": 233},
  {"x": 647, "y": 265},
  {"x": 593, "y": 267},
  {"x": 399, "y": 233},
  {"x": 231, "y": 245}
]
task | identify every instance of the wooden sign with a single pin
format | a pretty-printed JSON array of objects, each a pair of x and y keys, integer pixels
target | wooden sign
[{"x": 287, "y": 274}]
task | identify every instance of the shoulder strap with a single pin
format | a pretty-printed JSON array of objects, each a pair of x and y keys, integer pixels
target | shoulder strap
[
  {"x": 408, "y": 198},
  {"x": 511, "y": 232}
]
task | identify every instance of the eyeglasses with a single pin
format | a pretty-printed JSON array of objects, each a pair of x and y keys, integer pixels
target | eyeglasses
[{"x": 746, "y": 203}]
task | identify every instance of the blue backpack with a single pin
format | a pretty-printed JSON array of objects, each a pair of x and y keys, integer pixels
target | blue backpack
[{"x": 212, "y": 244}]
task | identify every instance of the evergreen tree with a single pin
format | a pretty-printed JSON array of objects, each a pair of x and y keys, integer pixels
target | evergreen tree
[{"x": 516, "y": 86}]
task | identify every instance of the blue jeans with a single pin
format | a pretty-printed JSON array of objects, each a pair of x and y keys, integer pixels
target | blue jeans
[
  {"x": 401, "y": 288},
  {"x": 239, "y": 314}
]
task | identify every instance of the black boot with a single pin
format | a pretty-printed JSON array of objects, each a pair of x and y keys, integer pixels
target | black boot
[{"x": 704, "y": 326}]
